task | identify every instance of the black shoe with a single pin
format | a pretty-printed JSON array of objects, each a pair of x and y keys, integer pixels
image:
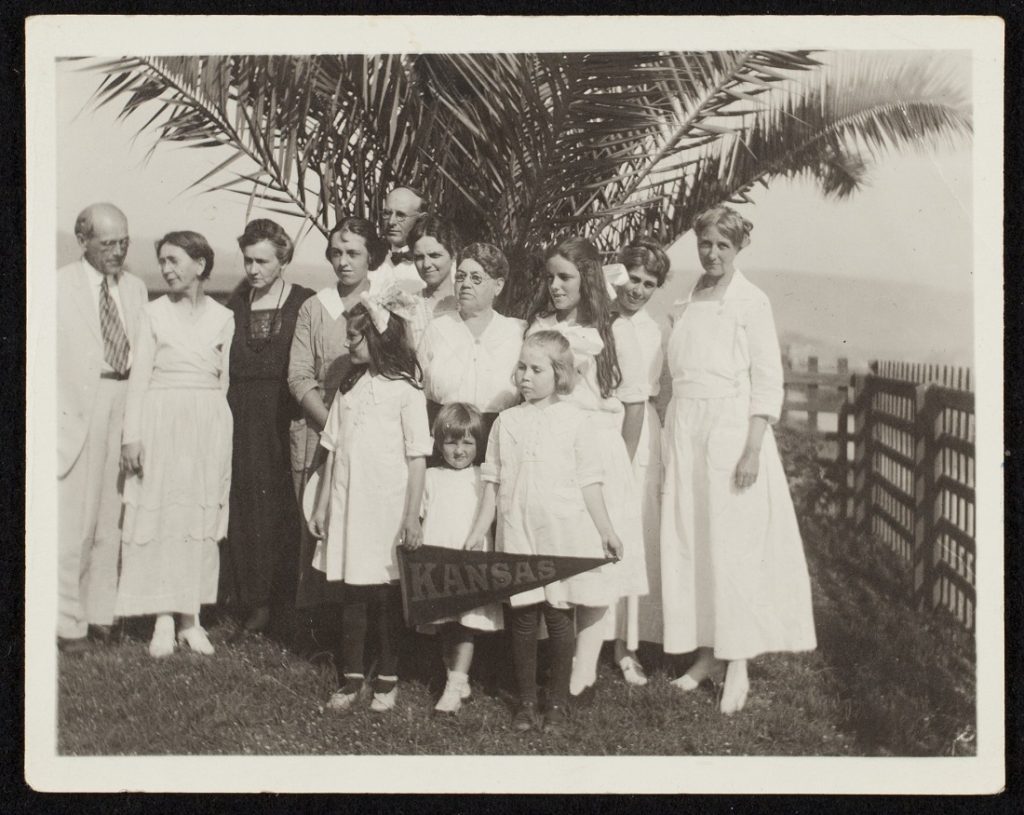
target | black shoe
[
  {"x": 525, "y": 718},
  {"x": 102, "y": 634},
  {"x": 73, "y": 646},
  {"x": 258, "y": 619},
  {"x": 555, "y": 719}
]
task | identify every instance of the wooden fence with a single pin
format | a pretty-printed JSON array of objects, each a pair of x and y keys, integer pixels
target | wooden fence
[
  {"x": 905, "y": 443},
  {"x": 903, "y": 437}
]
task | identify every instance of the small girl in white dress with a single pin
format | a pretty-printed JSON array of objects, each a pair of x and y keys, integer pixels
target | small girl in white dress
[
  {"x": 370, "y": 495},
  {"x": 544, "y": 475},
  {"x": 451, "y": 494}
]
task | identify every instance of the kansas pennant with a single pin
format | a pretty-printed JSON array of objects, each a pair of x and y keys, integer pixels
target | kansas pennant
[{"x": 439, "y": 582}]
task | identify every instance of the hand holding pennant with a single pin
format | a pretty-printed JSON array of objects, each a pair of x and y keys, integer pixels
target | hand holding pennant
[{"x": 438, "y": 582}]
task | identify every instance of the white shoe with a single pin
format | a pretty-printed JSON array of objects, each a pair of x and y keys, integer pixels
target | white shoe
[
  {"x": 342, "y": 701},
  {"x": 451, "y": 699},
  {"x": 162, "y": 644},
  {"x": 685, "y": 683},
  {"x": 196, "y": 639},
  {"x": 632, "y": 671},
  {"x": 347, "y": 695},
  {"x": 737, "y": 686},
  {"x": 464, "y": 691},
  {"x": 383, "y": 702}
]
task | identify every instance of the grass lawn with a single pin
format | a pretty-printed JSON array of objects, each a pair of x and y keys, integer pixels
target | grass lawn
[{"x": 885, "y": 680}]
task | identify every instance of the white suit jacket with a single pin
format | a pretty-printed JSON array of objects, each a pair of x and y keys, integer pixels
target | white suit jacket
[{"x": 80, "y": 354}]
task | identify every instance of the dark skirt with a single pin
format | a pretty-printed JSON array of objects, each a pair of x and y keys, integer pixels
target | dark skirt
[{"x": 259, "y": 557}]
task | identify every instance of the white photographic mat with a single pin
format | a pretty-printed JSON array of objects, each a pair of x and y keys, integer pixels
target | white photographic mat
[{"x": 923, "y": 239}]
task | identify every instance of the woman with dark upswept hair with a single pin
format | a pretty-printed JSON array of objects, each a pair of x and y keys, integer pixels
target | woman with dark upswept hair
[
  {"x": 263, "y": 534},
  {"x": 319, "y": 361}
]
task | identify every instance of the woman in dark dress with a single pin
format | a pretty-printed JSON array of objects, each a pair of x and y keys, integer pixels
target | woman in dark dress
[{"x": 264, "y": 523}]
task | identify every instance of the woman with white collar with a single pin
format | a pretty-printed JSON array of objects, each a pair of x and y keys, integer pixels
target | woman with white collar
[
  {"x": 734, "y": 579},
  {"x": 319, "y": 360},
  {"x": 469, "y": 355}
]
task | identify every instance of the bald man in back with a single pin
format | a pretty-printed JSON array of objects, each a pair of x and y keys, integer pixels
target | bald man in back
[{"x": 98, "y": 309}]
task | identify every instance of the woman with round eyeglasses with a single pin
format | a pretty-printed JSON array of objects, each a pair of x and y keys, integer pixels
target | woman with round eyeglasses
[
  {"x": 319, "y": 361},
  {"x": 470, "y": 355}
]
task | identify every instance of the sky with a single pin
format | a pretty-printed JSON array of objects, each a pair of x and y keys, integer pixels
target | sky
[{"x": 911, "y": 224}]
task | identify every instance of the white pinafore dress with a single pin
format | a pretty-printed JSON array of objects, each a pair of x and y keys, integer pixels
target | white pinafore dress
[{"x": 733, "y": 571}]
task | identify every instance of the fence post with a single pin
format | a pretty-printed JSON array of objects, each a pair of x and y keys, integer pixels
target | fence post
[
  {"x": 812, "y": 394},
  {"x": 924, "y": 496},
  {"x": 861, "y": 485}
]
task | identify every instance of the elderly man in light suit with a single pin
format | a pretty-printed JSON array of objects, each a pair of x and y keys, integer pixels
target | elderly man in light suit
[{"x": 98, "y": 309}]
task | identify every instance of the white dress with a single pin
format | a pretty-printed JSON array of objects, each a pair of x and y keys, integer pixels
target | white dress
[
  {"x": 373, "y": 430},
  {"x": 628, "y": 577},
  {"x": 458, "y": 367},
  {"x": 733, "y": 571},
  {"x": 450, "y": 499},
  {"x": 177, "y": 510},
  {"x": 647, "y": 472},
  {"x": 427, "y": 309},
  {"x": 541, "y": 458}
]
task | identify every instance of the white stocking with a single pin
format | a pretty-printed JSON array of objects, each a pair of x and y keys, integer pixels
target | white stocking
[{"x": 589, "y": 639}]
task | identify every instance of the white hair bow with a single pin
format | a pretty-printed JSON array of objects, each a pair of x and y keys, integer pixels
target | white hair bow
[
  {"x": 615, "y": 274},
  {"x": 392, "y": 297}
]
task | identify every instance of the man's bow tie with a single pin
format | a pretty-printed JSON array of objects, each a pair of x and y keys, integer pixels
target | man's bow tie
[{"x": 401, "y": 257}]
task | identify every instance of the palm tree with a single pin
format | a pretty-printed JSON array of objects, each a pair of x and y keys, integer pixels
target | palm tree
[{"x": 518, "y": 148}]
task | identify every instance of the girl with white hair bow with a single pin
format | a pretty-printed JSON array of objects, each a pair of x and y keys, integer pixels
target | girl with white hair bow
[{"x": 369, "y": 498}]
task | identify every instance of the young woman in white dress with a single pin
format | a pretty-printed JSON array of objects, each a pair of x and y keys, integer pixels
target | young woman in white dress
[
  {"x": 611, "y": 385},
  {"x": 435, "y": 244},
  {"x": 176, "y": 452},
  {"x": 647, "y": 268},
  {"x": 734, "y": 579}
]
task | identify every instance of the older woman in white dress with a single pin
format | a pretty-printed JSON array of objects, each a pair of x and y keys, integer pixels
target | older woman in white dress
[
  {"x": 734, "y": 579},
  {"x": 646, "y": 267},
  {"x": 469, "y": 355}
]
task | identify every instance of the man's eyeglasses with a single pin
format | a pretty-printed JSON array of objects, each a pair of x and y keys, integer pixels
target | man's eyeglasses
[
  {"x": 400, "y": 217},
  {"x": 110, "y": 246}
]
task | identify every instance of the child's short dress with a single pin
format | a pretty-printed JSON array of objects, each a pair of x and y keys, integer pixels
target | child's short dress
[
  {"x": 541, "y": 458},
  {"x": 621, "y": 493},
  {"x": 450, "y": 499},
  {"x": 372, "y": 430}
]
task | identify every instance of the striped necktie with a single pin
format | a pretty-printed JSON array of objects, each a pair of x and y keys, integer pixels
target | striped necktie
[{"x": 115, "y": 341}]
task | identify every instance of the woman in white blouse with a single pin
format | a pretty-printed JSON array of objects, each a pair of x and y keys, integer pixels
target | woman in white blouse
[
  {"x": 734, "y": 579},
  {"x": 469, "y": 355}
]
